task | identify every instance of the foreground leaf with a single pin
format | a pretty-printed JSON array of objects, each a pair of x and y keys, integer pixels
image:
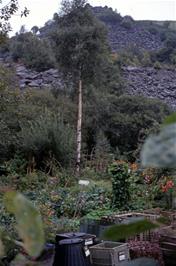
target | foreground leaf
[
  {"x": 1, "y": 249},
  {"x": 123, "y": 231},
  {"x": 29, "y": 222},
  {"x": 160, "y": 150},
  {"x": 171, "y": 119}
]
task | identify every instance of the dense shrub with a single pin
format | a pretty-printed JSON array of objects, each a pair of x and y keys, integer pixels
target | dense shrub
[
  {"x": 126, "y": 128},
  {"x": 77, "y": 201},
  {"x": 120, "y": 175},
  {"x": 34, "y": 52},
  {"x": 166, "y": 54},
  {"x": 48, "y": 136},
  {"x": 132, "y": 56}
]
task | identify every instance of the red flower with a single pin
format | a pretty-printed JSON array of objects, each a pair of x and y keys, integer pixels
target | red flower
[{"x": 169, "y": 184}]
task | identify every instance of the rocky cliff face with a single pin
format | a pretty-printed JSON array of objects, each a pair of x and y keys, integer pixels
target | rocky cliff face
[
  {"x": 150, "y": 82},
  {"x": 137, "y": 36},
  {"x": 153, "y": 83},
  {"x": 46, "y": 79},
  {"x": 124, "y": 32}
]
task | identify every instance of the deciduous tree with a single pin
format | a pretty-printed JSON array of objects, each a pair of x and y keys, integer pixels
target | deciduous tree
[
  {"x": 81, "y": 48},
  {"x": 7, "y": 10}
]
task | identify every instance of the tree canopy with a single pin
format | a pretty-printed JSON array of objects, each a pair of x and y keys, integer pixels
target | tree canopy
[
  {"x": 7, "y": 10},
  {"x": 80, "y": 40}
]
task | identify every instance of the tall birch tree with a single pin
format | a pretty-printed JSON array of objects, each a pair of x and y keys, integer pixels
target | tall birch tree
[{"x": 80, "y": 42}]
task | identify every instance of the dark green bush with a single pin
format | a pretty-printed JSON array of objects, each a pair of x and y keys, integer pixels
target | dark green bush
[
  {"x": 48, "y": 136},
  {"x": 34, "y": 52},
  {"x": 120, "y": 185}
]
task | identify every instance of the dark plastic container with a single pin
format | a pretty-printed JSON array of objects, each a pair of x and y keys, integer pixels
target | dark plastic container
[
  {"x": 87, "y": 238},
  {"x": 70, "y": 252},
  {"x": 90, "y": 226}
]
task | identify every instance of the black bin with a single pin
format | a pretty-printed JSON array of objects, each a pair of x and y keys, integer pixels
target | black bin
[
  {"x": 69, "y": 252},
  {"x": 89, "y": 239}
]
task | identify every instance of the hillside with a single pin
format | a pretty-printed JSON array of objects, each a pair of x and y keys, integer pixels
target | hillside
[
  {"x": 124, "y": 32},
  {"x": 153, "y": 83}
]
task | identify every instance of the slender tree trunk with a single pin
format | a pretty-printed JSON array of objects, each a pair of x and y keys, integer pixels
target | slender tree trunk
[{"x": 79, "y": 128}]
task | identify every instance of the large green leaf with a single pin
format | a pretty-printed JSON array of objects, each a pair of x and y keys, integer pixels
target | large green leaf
[
  {"x": 29, "y": 222},
  {"x": 171, "y": 119},
  {"x": 160, "y": 150},
  {"x": 1, "y": 249},
  {"x": 123, "y": 231}
]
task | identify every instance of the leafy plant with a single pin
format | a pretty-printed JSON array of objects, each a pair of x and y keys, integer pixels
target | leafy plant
[
  {"x": 159, "y": 150},
  {"x": 120, "y": 175},
  {"x": 97, "y": 214},
  {"x": 123, "y": 231},
  {"x": 29, "y": 223},
  {"x": 48, "y": 136}
]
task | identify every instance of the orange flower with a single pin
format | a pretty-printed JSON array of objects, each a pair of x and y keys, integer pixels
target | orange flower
[{"x": 134, "y": 167}]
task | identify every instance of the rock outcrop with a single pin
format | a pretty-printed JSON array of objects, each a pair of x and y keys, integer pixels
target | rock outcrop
[
  {"x": 150, "y": 82},
  {"x": 137, "y": 36},
  {"x": 28, "y": 78},
  {"x": 146, "y": 81},
  {"x": 122, "y": 35},
  {"x": 153, "y": 83}
]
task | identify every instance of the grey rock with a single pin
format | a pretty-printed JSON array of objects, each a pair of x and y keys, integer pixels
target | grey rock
[
  {"x": 34, "y": 84},
  {"x": 152, "y": 83}
]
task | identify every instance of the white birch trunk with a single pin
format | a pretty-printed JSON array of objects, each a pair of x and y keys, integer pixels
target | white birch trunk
[{"x": 79, "y": 128}]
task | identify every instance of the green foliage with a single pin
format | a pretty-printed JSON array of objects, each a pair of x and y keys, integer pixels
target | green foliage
[
  {"x": 8, "y": 106},
  {"x": 145, "y": 188},
  {"x": 29, "y": 223},
  {"x": 122, "y": 129},
  {"x": 126, "y": 128},
  {"x": 48, "y": 136},
  {"x": 171, "y": 119},
  {"x": 120, "y": 185},
  {"x": 157, "y": 65},
  {"x": 16, "y": 166},
  {"x": 8, "y": 10},
  {"x": 77, "y": 201},
  {"x": 35, "y": 53},
  {"x": 132, "y": 56},
  {"x": 97, "y": 214},
  {"x": 166, "y": 54},
  {"x": 123, "y": 231},
  {"x": 31, "y": 125},
  {"x": 66, "y": 225},
  {"x": 79, "y": 41}
]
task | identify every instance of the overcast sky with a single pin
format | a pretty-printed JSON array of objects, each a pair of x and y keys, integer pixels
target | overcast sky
[{"x": 43, "y": 10}]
